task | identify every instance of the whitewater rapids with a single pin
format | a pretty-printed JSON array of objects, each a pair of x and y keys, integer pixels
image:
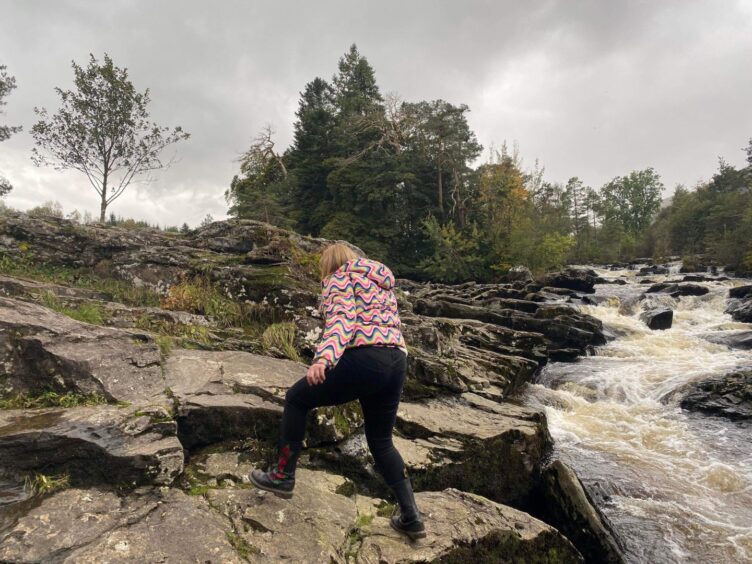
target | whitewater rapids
[{"x": 676, "y": 486}]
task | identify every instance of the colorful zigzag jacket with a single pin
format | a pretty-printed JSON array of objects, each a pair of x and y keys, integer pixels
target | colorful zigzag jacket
[{"x": 360, "y": 309}]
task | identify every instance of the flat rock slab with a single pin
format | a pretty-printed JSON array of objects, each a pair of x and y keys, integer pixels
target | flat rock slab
[
  {"x": 321, "y": 523},
  {"x": 93, "y": 525},
  {"x": 231, "y": 394},
  {"x": 42, "y": 350},
  {"x": 98, "y": 444}
]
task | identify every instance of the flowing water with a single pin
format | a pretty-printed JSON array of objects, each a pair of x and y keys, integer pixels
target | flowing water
[{"x": 676, "y": 486}]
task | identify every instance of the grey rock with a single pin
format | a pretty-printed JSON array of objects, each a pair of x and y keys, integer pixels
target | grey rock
[
  {"x": 566, "y": 505},
  {"x": 42, "y": 350},
  {"x": 232, "y": 394},
  {"x": 493, "y": 449},
  {"x": 658, "y": 318},
  {"x": 729, "y": 396},
  {"x": 322, "y": 523},
  {"x": 677, "y": 290},
  {"x": 94, "y": 525},
  {"x": 579, "y": 279},
  {"x": 93, "y": 445}
]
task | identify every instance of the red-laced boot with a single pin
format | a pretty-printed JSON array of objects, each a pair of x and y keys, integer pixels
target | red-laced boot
[{"x": 280, "y": 479}]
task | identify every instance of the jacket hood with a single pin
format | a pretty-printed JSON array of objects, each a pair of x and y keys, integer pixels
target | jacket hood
[{"x": 372, "y": 269}]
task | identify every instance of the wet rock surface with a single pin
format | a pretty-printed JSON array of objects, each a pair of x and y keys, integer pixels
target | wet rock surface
[
  {"x": 571, "y": 510},
  {"x": 730, "y": 396},
  {"x": 658, "y": 318},
  {"x": 676, "y": 290},
  {"x": 471, "y": 443},
  {"x": 579, "y": 279},
  {"x": 740, "y": 303},
  {"x": 98, "y": 444}
]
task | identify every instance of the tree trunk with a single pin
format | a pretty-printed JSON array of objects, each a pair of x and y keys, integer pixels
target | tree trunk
[{"x": 103, "y": 204}]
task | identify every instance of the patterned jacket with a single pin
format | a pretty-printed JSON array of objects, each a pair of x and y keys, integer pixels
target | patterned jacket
[{"x": 360, "y": 309}]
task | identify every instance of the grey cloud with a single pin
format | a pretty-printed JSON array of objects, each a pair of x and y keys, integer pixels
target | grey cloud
[{"x": 592, "y": 88}]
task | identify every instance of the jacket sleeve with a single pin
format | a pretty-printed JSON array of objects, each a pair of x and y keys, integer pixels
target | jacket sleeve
[{"x": 339, "y": 311}]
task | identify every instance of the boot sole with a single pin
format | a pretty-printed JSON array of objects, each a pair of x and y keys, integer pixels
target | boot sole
[
  {"x": 413, "y": 535},
  {"x": 278, "y": 493}
]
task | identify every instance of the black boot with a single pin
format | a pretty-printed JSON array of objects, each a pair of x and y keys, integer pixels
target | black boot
[
  {"x": 280, "y": 480},
  {"x": 408, "y": 521}
]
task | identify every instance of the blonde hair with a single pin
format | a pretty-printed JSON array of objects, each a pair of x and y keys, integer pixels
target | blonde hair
[{"x": 333, "y": 257}]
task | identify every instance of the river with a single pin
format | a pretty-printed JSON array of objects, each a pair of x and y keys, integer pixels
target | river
[{"x": 676, "y": 486}]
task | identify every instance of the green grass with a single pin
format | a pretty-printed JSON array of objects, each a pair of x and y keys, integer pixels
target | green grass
[
  {"x": 121, "y": 291},
  {"x": 385, "y": 509},
  {"x": 241, "y": 546},
  {"x": 41, "y": 484},
  {"x": 85, "y": 312},
  {"x": 281, "y": 336},
  {"x": 51, "y": 399}
]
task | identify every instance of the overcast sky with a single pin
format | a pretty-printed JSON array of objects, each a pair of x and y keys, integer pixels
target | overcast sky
[{"x": 590, "y": 88}]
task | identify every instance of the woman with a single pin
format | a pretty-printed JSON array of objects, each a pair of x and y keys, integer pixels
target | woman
[{"x": 361, "y": 356}]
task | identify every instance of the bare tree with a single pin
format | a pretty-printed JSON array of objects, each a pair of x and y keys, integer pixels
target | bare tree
[{"x": 261, "y": 153}]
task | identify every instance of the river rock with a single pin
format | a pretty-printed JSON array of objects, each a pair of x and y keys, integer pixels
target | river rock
[
  {"x": 729, "y": 396},
  {"x": 677, "y": 290},
  {"x": 42, "y": 350},
  {"x": 741, "y": 292},
  {"x": 518, "y": 274},
  {"x": 93, "y": 445},
  {"x": 741, "y": 340},
  {"x": 566, "y": 504},
  {"x": 325, "y": 522},
  {"x": 232, "y": 394},
  {"x": 97, "y": 525},
  {"x": 655, "y": 269},
  {"x": 579, "y": 279},
  {"x": 740, "y": 304},
  {"x": 658, "y": 319}
]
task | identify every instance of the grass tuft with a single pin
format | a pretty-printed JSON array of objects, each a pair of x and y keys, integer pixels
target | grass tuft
[
  {"x": 41, "y": 484},
  {"x": 51, "y": 399},
  {"x": 85, "y": 312},
  {"x": 281, "y": 336}
]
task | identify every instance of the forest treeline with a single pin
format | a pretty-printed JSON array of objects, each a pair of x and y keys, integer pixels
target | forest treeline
[
  {"x": 403, "y": 180},
  {"x": 399, "y": 180}
]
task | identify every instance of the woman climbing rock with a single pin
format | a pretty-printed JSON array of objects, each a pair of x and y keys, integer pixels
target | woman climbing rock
[{"x": 361, "y": 356}]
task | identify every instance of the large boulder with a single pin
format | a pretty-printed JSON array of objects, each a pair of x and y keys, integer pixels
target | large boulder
[
  {"x": 92, "y": 445},
  {"x": 41, "y": 351},
  {"x": 232, "y": 394},
  {"x": 729, "y": 396},
  {"x": 579, "y": 279}
]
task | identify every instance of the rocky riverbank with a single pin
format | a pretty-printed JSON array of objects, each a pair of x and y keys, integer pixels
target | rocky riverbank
[{"x": 144, "y": 375}]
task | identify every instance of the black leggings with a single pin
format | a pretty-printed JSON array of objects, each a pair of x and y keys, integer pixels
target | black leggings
[{"x": 375, "y": 376}]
